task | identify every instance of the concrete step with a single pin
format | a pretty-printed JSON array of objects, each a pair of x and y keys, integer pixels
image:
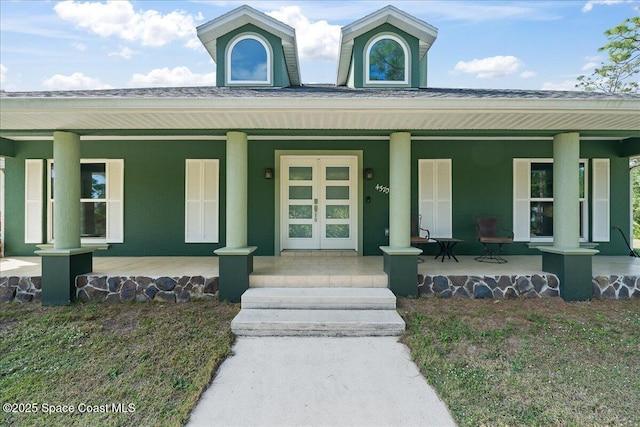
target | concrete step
[
  {"x": 319, "y": 298},
  {"x": 324, "y": 280},
  {"x": 269, "y": 322}
]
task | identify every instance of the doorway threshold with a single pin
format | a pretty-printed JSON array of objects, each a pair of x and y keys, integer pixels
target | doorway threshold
[{"x": 318, "y": 253}]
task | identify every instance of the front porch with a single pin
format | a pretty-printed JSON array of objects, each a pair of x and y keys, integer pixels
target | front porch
[{"x": 184, "y": 278}]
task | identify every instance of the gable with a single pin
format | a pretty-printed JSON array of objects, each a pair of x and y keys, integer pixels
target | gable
[
  {"x": 417, "y": 33},
  {"x": 361, "y": 48},
  {"x": 277, "y": 38}
]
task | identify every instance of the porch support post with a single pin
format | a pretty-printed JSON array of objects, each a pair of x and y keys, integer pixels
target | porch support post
[
  {"x": 400, "y": 259},
  {"x": 67, "y": 259},
  {"x": 572, "y": 264},
  {"x": 236, "y": 258}
]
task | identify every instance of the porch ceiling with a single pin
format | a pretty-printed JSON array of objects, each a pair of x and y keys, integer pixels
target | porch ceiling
[{"x": 617, "y": 117}]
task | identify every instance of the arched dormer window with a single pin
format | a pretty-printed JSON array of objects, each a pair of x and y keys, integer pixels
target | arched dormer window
[
  {"x": 387, "y": 61},
  {"x": 249, "y": 61}
]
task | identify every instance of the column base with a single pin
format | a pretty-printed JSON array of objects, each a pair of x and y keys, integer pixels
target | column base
[
  {"x": 401, "y": 267},
  {"x": 235, "y": 267},
  {"x": 60, "y": 267},
  {"x": 574, "y": 270}
]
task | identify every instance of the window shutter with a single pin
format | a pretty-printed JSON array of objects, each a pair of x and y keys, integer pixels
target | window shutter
[
  {"x": 521, "y": 195},
  {"x": 201, "y": 201},
  {"x": 115, "y": 201},
  {"x": 434, "y": 189},
  {"x": 601, "y": 188},
  {"x": 33, "y": 200}
]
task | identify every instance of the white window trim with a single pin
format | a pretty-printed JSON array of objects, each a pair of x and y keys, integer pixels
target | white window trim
[
  {"x": 584, "y": 201},
  {"x": 438, "y": 218},
  {"x": 113, "y": 236},
  {"x": 267, "y": 48},
  {"x": 407, "y": 60},
  {"x": 201, "y": 205}
]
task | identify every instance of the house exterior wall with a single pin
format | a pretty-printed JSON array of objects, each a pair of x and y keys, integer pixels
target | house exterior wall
[
  {"x": 154, "y": 186},
  {"x": 482, "y": 183},
  {"x": 359, "y": 45},
  {"x": 154, "y": 191}
]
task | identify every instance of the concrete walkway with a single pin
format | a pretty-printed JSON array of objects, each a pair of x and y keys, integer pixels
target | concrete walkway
[{"x": 318, "y": 381}]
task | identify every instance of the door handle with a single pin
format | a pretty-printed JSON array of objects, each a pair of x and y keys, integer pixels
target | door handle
[{"x": 315, "y": 210}]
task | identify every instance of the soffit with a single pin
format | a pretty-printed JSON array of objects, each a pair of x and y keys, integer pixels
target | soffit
[{"x": 617, "y": 116}]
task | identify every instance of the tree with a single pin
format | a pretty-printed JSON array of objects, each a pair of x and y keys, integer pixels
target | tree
[{"x": 624, "y": 61}]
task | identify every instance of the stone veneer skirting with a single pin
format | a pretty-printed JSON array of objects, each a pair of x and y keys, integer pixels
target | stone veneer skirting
[
  {"x": 504, "y": 286},
  {"x": 616, "y": 287},
  {"x": 117, "y": 288},
  {"x": 187, "y": 288}
]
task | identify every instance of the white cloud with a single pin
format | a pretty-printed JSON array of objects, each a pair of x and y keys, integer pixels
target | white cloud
[
  {"x": 589, "y": 66},
  {"x": 79, "y": 46},
  {"x": 490, "y": 68},
  {"x": 119, "y": 19},
  {"x": 528, "y": 74},
  {"x": 3, "y": 74},
  {"x": 565, "y": 85},
  {"x": 589, "y": 5},
  {"x": 124, "y": 52},
  {"x": 74, "y": 81},
  {"x": 179, "y": 76},
  {"x": 317, "y": 41}
]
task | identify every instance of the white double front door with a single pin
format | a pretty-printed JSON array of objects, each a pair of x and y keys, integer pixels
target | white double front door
[{"x": 319, "y": 202}]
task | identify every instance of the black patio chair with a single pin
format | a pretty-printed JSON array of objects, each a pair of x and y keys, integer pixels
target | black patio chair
[
  {"x": 416, "y": 229},
  {"x": 489, "y": 233}
]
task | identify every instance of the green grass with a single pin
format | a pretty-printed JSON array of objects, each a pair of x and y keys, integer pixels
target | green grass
[
  {"x": 156, "y": 357},
  {"x": 529, "y": 362}
]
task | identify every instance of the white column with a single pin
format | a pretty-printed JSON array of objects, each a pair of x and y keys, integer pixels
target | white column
[
  {"x": 237, "y": 190},
  {"x": 566, "y": 190},
  {"x": 400, "y": 186},
  {"x": 66, "y": 190}
]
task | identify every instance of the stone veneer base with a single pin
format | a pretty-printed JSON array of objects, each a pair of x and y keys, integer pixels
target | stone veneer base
[{"x": 186, "y": 288}]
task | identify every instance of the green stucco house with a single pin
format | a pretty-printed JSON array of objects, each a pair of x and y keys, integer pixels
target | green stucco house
[{"x": 263, "y": 163}]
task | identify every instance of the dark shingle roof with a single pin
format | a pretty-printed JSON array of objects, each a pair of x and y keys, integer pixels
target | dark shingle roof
[{"x": 316, "y": 91}]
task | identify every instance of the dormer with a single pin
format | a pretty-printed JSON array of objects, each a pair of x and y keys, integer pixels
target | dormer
[
  {"x": 251, "y": 49},
  {"x": 387, "y": 48}
]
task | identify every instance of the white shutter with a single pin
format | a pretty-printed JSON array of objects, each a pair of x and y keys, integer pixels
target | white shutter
[
  {"x": 434, "y": 193},
  {"x": 115, "y": 201},
  {"x": 521, "y": 203},
  {"x": 601, "y": 188},
  {"x": 33, "y": 200},
  {"x": 201, "y": 201},
  {"x": 210, "y": 201}
]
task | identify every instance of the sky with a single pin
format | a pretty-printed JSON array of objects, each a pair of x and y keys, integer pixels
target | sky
[{"x": 69, "y": 45}]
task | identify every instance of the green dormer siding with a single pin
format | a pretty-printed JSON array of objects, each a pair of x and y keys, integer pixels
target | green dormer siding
[
  {"x": 360, "y": 44},
  {"x": 279, "y": 69}
]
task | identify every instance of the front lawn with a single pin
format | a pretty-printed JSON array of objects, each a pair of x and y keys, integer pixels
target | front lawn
[
  {"x": 112, "y": 364},
  {"x": 529, "y": 362}
]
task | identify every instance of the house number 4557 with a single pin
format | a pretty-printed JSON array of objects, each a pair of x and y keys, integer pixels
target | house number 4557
[{"x": 382, "y": 189}]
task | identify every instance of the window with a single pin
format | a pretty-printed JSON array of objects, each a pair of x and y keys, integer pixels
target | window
[
  {"x": 533, "y": 200},
  {"x": 201, "y": 201},
  {"x": 249, "y": 61},
  {"x": 387, "y": 61},
  {"x": 434, "y": 196},
  {"x": 101, "y": 201}
]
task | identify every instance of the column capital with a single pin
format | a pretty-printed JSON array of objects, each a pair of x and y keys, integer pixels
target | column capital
[
  {"x": 400, "y": 134},
  {"x": 233, "y": 134},
  {"x": 566, "y": 136}
]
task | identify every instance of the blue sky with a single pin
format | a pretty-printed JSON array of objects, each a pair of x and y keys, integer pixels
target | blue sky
[{"x": 52, "y": 45}]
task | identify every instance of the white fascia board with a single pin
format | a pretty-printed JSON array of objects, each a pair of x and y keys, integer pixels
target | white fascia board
[{"x": 35, "y": 105}]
